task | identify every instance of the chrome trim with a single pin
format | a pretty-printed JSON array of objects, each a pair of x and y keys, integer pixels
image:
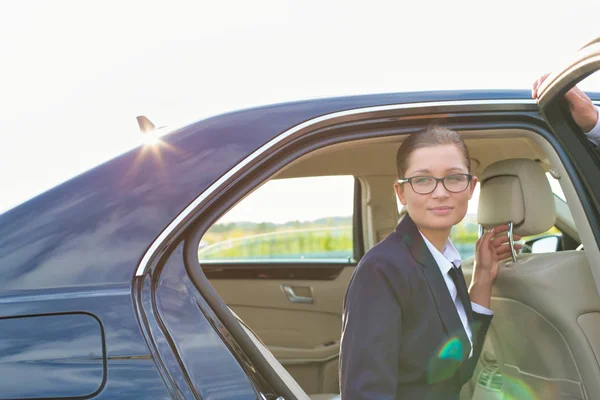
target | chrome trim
[
  {"x": 294, "y": 298},
  {"x": 21, "y": 298},
  {"x": 511, "y": 242},
  {"x": 176, "y": 223}
]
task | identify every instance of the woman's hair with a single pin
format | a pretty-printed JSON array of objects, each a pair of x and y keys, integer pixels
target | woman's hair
[{"x": 434, "y": 135}]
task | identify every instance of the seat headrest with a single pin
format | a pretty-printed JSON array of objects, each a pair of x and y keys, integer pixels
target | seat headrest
[{"x": 516, "y": 191}]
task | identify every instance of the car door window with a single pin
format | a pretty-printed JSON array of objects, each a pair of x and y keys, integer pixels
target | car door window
[
  {"x": 286, "y": 220},
  {"x": 464, "y": 234}
]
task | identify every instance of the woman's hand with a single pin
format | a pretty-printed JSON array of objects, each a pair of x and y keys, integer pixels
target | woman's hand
[
  {"x": 583, "y": 111},
  {"x": 490, "y": 249}
]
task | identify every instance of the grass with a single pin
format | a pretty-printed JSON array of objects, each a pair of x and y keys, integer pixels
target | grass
[{"x": 326, "y": 238}]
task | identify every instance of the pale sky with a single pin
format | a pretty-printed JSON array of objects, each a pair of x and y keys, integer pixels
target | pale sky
[
  {"x": 302, "y": 199},
  {"x": 74, "y": 74}
]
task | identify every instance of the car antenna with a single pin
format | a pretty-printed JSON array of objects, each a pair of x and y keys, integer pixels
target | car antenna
[{"x": 145, "y": 124}]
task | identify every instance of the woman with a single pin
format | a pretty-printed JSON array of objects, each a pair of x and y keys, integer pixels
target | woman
[{"x": 411, "y": 329}]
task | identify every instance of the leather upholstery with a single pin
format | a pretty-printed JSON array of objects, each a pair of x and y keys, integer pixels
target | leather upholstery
[
  {"x": 325, "y": 396},
  {"x": 546, "y": 306},
  {"x": 517, "y": 191}
]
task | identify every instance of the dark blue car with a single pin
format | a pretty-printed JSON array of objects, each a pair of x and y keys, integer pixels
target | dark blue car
[{"x": 213, "y": 264}]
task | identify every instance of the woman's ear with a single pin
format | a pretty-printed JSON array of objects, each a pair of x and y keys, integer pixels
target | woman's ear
[
  {"x": 472, "y": 186},
  {"x": 399, "y": 189}
]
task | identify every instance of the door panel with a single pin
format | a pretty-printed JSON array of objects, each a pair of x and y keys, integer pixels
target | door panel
[
  {"x": 303, "y": 337},
  {"x": 281, "y": 260}
]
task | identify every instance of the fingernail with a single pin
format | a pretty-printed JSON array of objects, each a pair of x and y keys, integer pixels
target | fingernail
[{"x": 491, "y": 231}]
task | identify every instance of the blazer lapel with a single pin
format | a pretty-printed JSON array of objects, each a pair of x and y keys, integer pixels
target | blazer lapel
[{"x": 445, "y": 306}]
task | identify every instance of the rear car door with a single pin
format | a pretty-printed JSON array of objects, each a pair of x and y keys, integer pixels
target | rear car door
[{"x": 281, "y": 260}]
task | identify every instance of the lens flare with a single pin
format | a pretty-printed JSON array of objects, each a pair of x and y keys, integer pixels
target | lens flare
[
  {"x": 150, "y": 138},
  {"x": 452, "y": 350},
  {"x": 444, "y": 364},
  {"x": 516, "y": 389}
]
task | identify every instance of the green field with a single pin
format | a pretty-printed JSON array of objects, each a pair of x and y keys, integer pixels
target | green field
[
  {"x": 333, "y": 242},
  {"x": 323, "y": 239}
]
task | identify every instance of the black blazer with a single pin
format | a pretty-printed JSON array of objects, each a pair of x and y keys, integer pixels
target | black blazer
[{"x": 402, "y": 337}]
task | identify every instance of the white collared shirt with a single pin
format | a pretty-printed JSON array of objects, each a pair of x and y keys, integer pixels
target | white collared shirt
[
  {"x": 594, "y": 135},
  {"x": 445, "y": 261}
]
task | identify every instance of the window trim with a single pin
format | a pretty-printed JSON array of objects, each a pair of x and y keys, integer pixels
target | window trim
[
  {"x": 358, "y": 240},
  {"x": 275, "y": 271}
]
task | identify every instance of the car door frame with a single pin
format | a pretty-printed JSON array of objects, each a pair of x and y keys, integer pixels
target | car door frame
[
  {"x": 555, "y": 110},
  {"x": 468, "y": 115},
  {"x": 584, "y": 157}
]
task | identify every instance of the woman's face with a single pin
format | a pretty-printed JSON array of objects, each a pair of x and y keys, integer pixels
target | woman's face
[{"x": 441, "y": 209}]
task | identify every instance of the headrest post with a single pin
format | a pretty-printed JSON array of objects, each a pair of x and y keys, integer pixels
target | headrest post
[
  {"x": 480, "y": 233},
  {"x": 511, "y": 242}
]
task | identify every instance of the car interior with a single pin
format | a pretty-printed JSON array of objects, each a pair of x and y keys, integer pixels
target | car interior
[{"x": 544, "y": 339}]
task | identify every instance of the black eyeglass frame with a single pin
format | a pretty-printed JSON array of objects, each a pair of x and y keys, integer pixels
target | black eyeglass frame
[{"x": 437, "y": 181}]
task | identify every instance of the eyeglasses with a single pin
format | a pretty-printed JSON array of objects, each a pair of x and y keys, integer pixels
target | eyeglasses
[{"x": 455, "y": 183}]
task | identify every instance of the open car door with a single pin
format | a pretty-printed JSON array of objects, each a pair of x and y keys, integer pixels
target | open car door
[
  {"x": 580, "y": 151},
  {"x": 581, "y": 159}
]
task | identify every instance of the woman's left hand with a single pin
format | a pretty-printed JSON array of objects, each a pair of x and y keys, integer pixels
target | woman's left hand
[{"x": 490, "y": 249}]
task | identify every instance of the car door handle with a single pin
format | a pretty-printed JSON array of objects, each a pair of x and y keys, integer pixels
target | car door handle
[{"x": 293, "y": 297}]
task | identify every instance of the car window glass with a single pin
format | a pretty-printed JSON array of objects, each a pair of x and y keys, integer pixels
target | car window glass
[
  {"x": 555, "y": 185},
  {"x": 286, "y": 220},
  {"x": 465, "y": 234}
]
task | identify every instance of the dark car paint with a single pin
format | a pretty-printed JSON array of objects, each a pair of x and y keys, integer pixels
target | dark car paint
[
  {"x": 193, "y": 337},
  {"x": 75, "y": 248},
  {"x": 70, "y": 344},
  {"x": 126, "y": 353}
]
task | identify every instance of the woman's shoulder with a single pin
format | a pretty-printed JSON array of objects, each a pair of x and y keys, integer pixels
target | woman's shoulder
[
  {"x": 392, "y": 249},
  {"x": 385, "y": 268},
  {"x": 390, "y": 256}
]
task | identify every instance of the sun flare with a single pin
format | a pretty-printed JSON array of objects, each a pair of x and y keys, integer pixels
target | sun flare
[{"x": 150, "y": 138}]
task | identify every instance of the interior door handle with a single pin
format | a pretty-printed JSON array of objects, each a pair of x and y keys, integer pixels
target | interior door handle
[{"x": 293, "y": 297}]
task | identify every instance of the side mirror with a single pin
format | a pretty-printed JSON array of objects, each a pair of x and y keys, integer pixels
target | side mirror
[{"x": 544, "y": 244}]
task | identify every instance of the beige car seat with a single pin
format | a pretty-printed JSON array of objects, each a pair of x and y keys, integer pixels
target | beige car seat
[
  {"x": 546, "y": 326},
  {"x": 290, "y": 382}
]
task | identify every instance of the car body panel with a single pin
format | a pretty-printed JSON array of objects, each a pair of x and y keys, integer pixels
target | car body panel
[
  {"x": 211, "y": 368},
  {"x": 94, "y": 228},
  {"x": 128, "y": 357},
  {"x": 76, "y": 248}
]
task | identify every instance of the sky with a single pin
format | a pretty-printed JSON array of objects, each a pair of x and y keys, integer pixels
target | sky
[{"x": 74, "y": 74}]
